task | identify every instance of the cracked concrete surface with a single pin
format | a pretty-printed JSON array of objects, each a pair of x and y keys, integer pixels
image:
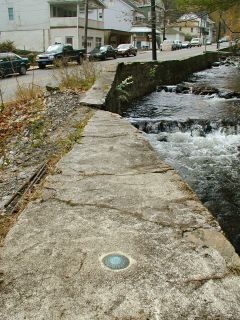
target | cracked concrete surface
[{"x": 112, "y": 194}]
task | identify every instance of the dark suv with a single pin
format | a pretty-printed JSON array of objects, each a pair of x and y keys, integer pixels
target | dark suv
[
  {"x": 12, "y": 63},
  {"x": 102, "y": 53}
]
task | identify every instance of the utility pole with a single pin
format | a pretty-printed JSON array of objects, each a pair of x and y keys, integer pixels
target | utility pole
[
  {"x": 153, "y": 19},
  {"x": 219, "y": 30},
  {"x": 86, "y": 25},
  {"x": 164, "y": 24},
  {"x": 78, "y": 12}
]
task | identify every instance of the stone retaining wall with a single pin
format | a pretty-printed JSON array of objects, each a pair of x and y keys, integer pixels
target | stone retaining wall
[{"x": 134, "y": 80}]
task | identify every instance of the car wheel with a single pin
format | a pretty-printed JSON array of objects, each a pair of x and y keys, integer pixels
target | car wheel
[
  {"x": 41, "y": 66},
  {"x": 135, "y": 53},
  {"x": 23, "y": 70},
  {"x": 115, "y": 56}
]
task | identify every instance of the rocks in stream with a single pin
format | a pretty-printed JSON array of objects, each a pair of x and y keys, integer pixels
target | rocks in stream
[
  {"x": 183, "y": 88},
  {"x": 216, "y": 64},
  {"x": 204, "y": 90},
  {"x": 197, "y": 127},
  {"x": 197, "y": 130},
  {"x": 228, "y": 94},
  {"x": 162, "y": 137}
]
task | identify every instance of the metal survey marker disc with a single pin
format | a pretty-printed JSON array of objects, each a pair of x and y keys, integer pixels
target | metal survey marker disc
[{"x": 116, "y": 261}]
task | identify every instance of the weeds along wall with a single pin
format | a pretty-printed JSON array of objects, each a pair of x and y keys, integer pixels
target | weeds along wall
[{"x": 134, "y": 80}]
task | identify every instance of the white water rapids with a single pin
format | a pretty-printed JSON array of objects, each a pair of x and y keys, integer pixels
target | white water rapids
[{"x": 199, "y": 136}]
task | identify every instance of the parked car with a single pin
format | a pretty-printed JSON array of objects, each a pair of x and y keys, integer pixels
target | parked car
[
  {"x": 59, "y": 53},
  {"x": 177, "y": 44},
  {"x": 11, "y": 63},
  {"x": 186, "y": 45},
  {"x": 196, "y": 42},
  {"x": 102, "y": 53},
  {"x": 208, "y": 42},
  {"x": 126, "y": 50},
  {"x": 224, "y": 39}
]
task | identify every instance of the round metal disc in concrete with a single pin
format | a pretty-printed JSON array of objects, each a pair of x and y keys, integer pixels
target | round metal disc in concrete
[{"x": 116, "y": 261}]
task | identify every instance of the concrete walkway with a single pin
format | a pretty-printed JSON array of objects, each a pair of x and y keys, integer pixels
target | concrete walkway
[{"x": 112, "y": 194}]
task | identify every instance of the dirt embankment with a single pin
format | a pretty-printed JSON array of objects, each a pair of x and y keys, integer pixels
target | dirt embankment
[{"x": 34, "y": 133}]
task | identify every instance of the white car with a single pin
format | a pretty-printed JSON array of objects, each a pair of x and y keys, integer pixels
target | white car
[{"x": 196, "y": 42}]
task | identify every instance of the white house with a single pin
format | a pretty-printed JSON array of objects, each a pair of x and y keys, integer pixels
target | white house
[
  {"x": 34, "y": 25},
  {"x": 172, "y": 34},
  {"x": 195, "y": 25},
  {"x": 118, "y": 19}
]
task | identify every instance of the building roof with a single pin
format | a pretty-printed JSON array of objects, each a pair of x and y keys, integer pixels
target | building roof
[{"x": 188, "y": 16}]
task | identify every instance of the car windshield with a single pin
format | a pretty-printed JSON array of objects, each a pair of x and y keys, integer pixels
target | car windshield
[
  {"x": 195, "y": 39},
  {"x": 103, "y": 49},
  {"x": 123, "y": 46},
  {"x": 57, "y": 48}
]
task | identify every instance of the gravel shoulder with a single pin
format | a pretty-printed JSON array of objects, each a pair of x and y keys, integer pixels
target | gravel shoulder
[{"x": 33, "y": 137}]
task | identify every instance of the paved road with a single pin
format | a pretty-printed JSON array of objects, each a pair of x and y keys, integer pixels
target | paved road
[{"x": 49, "y": 76}]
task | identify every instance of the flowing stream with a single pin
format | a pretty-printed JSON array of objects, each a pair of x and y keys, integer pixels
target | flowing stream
[{"x": 199, "y": 136}]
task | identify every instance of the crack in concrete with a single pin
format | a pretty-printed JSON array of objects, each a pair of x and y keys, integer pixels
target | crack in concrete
[
  {"x": 95, "y": 174},
  {"x": 136, "y": 215},
  {"x": 207, "y": 278},
  {"x": 190, "y": 230},
  {"x": 105, "y": 137}
]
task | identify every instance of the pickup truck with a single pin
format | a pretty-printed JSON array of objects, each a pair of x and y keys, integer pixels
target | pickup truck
[{"x": 59, "y": 54}]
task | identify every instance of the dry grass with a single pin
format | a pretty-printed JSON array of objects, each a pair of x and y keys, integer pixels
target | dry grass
[
  {"x": 27, "y": 93},
  {"x": 77, "y": 78},
  {"x": 6, "y": 222}
]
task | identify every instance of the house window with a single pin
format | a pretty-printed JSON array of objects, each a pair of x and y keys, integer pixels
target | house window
[
  {"x": 89, "y": 44},
  {"x": 69, "y": 40},
  {"x": 10, "y": 14},
  {"x": 89, "y": 41},
  {"x": 98, "y": 42},
  {"x": 100, "y": 15},
  {"x": 180, "y": 28},
  {"x": 192, "y": 30}
]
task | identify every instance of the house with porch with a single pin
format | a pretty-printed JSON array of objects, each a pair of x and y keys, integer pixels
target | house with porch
[
  {"x": 196, "y": 25},
  {"x": 34, "y": 25},
  {"x": 142, "y": 28}
]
